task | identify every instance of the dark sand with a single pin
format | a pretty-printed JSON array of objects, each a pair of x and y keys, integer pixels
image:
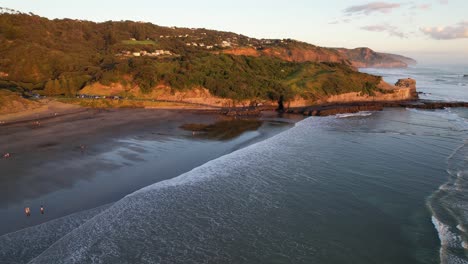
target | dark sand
[{"x": 94, "y": 157}]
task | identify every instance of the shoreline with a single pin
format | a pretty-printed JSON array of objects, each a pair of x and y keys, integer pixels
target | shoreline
[
  {"x": 75, "y": 233},
  {"x": 123, "y": 150},
  {"x": 354, "y": 107},
  {"x": 55, "y": 109}
]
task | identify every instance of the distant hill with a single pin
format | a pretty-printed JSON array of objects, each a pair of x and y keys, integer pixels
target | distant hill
[
  {"x": 367, "y": 58},
  {"x": 407, "y": 60},
  {"x": 64, "y": 56}
]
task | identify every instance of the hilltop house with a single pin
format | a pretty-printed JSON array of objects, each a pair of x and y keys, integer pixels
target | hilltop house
[{"x": 225, "y": 44}]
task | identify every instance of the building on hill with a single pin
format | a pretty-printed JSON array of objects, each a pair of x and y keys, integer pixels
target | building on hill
[{"x": 225, "y": 44}]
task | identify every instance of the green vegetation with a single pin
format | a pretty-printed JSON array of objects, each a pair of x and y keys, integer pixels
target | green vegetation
[
  {"x": 138, "y": 42},
  {"x": 321, "y": 80},
  {"x": 61, "y": 57}
]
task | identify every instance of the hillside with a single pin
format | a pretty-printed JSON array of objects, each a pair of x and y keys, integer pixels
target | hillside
[
  {"x": 63, "y": 57},
  {"x": 367, "y": 58},
  {"x": 408, "y": 61}
]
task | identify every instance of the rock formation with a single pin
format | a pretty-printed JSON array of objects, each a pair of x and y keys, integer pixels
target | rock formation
[{"x": 409, "y": 83}]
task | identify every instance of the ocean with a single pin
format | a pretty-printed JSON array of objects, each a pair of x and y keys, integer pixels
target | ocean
[
  {"x": 436, "y": 82},
  {"x": 370, "y": 187}
]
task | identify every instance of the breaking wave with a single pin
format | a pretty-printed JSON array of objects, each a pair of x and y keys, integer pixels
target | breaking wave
[
  {"x": 358, "y": 114},
  {"x": 449, "y": 204}
]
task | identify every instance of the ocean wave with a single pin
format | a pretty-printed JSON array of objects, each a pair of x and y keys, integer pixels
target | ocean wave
[
  {"x": 148, "y": 205},
  {"x": 446, "y": 236},
  {"x": 358, "y": 114},
  {"x": 104, "y": 237},
  {"x": 450, "y": 243},
  {"x": 449, "y": 205},
  {"x": 447, "y": 113},
  {"x": 36, "y": 239}
]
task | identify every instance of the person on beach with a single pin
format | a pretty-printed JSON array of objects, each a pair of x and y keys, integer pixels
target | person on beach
[
  {"x": 42, "y": 209},
  {"x": 82, "y": 148},
  {"x": 27, "y": 211}
]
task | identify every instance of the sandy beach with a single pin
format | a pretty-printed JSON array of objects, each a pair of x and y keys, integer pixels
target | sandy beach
[{"x": 85, "y": 158}]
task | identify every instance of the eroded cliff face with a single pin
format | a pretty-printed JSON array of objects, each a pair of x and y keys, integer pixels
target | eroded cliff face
[
  {"x": 402, "y": 94},
  {"x": 403, "y": 90},
  {"x": 197, "y": 95}
]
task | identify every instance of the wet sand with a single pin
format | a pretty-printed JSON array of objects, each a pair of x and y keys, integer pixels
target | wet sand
[{"x": 93, "y": 157}]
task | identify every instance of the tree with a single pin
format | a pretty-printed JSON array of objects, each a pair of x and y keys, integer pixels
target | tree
[
  {"x": 52, "y": 88},
  {"x": 146, "y": 78},
  {"x": 109, "y": 38}
]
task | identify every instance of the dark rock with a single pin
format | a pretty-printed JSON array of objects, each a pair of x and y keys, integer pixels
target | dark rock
[
  {"x": 326, "y": 110},
  {"x": 408, "y": 83}
]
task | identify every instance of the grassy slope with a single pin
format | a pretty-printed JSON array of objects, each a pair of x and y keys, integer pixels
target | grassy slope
[{"x": 11, "y": 102}]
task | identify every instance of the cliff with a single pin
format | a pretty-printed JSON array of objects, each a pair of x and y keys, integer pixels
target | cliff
[
  {"x": 154, "y": 62},
  {"x": 302, "y": 52},
  {"x": 403, "y": 90},
  {"x": 367, "y": 58},
  {"x": 408, "y": 61}
]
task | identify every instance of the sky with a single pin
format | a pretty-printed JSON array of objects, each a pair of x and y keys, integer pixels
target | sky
[{"x": 431, "y": 31}]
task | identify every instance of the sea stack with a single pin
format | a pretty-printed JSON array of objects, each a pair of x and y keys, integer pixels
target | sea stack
[{"x": 408, "y": 83}]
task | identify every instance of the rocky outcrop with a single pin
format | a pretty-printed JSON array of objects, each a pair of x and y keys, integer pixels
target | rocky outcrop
[
  {"x": 333, "y": 109},
  {"x": 403, "y": 90},
  {"x": 410, "y": 84}
]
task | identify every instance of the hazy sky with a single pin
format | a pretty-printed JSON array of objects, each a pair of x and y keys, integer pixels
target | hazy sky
[{"x": 430, "y": 31}]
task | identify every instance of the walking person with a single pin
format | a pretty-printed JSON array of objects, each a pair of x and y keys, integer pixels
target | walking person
[
  {"x": 27, "y": 211},
  {"x": 42, "y": 209}
]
